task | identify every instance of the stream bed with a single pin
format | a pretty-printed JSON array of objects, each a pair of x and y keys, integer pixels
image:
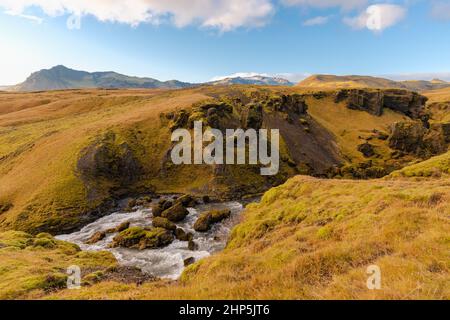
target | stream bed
[{"x": 167, "y": 262}]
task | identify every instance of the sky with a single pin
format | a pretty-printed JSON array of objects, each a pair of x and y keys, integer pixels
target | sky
[{"x": 200, "y": 40}]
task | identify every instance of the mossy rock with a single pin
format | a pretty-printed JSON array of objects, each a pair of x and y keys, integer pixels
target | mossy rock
[
  {"x": 187, "y": 201},
  {"x": 96, "y": 237},
  {"x": 162, "y": 205},
  {"x": 206, "y": 220},
  {"x": 160, "y": 222},
  {"x": 176, "y": 213},
  {"x": 93, "y": 277},
  {"x": 44, "y": 243},
  {"x": 43, "y": 235},
  {"x": 181, "y": 235},
  {"x": 139, "y": 238},
  {"x": 156, "y": 238},
  {"x": 192, "y": 245},
  {"x": 123, "y": 226},
  {"x": 55, "y": 281}
]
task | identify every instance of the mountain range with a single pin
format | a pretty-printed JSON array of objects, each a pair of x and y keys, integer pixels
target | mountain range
[
  {"x": 341, "y": 82},
  {"x": 61, "y": 77}
]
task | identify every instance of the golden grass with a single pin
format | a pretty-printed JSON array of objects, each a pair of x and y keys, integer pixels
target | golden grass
[
  {"x": 314, "y": 239},
  {"x": 38, "y": 265},
  {"x": 351, "y": 127}
]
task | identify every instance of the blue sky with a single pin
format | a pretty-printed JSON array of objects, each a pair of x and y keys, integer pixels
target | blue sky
[{"x": 197, "y": 40}]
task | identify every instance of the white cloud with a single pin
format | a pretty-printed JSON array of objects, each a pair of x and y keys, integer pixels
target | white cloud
[
  {"x": 344, "y": 4},
  {"x": 25, "y": 16},
  {"x": 378, "y": 17},
  {"x": 441, "y": 10},
  {"x": 224, "y": 15},
  {"x": 317, "y": 21}
]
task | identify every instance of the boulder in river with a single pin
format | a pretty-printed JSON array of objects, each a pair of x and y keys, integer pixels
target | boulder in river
[
  {"x": 206, "y": 220},
  {"x": 139, "y": 238},
  {"x": 192, "y": 245},
  {"x": 121, "y": 227},
  {"x": 176, "y": 213},
  {"x": 160, "y": 222},
  {"x": 181, "y": 235},
  {"x": 189, "y": 261},
  {"x": 162, "y": 205},
  {"x": 96, "y": 237},
  {"x": 187, "y": 201}
]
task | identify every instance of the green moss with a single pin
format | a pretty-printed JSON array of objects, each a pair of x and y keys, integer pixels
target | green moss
[
  {"x": 325, "y": 232},
  {"x": 139, "y": 238},
  {"x": 45, "y": 243}
]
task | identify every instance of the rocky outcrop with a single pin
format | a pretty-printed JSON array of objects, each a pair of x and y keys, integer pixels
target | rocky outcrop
[
  {"x": 105, "y": 159},
  {"x": 366, "y": 149},
  {"x": 206, "y": 220},
  {"x": 413, "y": 138},
  {"x": 374, "y": 101},
  {"x": 446, "y": 131}
]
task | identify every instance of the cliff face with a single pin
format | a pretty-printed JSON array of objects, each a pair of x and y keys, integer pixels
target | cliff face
[{"x": 375, "y": 101}]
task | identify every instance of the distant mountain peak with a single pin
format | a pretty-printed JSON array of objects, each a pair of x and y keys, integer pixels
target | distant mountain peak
[
  {"x": 254, "y": 79},
  {"x": 61, "y": 77}
]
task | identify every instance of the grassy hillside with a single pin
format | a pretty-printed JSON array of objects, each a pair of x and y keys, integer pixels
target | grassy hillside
[
  {"x": 439, "y": 105},
  {"x": 314, "y": 239},
  {"x": 38, "y": 265},
  {"x": 42, "y": 137},
  {"x": 67, "y": 156}
]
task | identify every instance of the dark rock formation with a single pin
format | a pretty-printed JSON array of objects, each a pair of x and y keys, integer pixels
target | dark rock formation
[
  {"x": 366, "y": 149},
  {"x": 407, "y": 136},
  {"x": 413, "y": 138},
  {"x": 446, "y": 131},
  {"x": 175, "y": 213},
  {"x": 139, "y": 238},
  {"x": 96, "y": 237},
  {"x": 181, "y": 235},
  {"x": 206, "y": 220},
  {"x": 187, "y": 201},
  {"x": 192, "y": 245},
  {"x": 160, "y": 207},
  {"x": 189, "y": 261},
  {"x": 374, "y": 101},
  {"x": 160, "y": 222}
]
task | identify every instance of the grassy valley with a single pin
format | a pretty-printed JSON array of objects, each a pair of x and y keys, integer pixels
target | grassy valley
[{"x": 364, "y": 180}]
